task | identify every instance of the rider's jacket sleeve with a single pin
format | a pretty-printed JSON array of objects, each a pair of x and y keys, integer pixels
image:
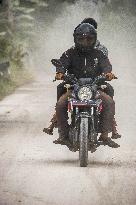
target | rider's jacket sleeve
[
  {"x": 101, "y": 47},
  {"x": 104, "y": 63},
  {"x": 66, "y": 60}
]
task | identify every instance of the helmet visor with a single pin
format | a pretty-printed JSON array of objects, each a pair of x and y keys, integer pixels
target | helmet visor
[{"x": 86, "y": 40}]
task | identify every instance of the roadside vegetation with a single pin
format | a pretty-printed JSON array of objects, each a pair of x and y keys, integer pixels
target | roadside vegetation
[{"x": 17, "y": 18}]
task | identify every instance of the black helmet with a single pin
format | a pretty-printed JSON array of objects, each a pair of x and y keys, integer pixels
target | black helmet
[{"x": 85, "y": 37}]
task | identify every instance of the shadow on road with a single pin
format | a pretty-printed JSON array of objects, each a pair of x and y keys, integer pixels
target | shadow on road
[
  {"x": 75, "y": 163},
  {"x": 113, "y": 164}
]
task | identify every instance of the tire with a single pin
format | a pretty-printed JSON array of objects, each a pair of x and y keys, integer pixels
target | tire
[{"x": 83, "y": 142}]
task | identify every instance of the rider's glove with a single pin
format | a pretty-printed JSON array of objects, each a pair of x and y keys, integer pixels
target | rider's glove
[
  {"x": 110, "y": 76},
  {"x": 59, "y": 76}
]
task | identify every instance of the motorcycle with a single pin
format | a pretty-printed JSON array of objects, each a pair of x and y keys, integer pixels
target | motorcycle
[{"x": 84, "y": 110}]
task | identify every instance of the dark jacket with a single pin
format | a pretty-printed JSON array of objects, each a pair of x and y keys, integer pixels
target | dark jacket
[
  {"x": 101, "y": 47},
  {"x": 82, "y": 65}
]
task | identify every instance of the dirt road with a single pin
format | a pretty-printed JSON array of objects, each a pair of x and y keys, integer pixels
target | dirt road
[{"x": 34, "y": 171}]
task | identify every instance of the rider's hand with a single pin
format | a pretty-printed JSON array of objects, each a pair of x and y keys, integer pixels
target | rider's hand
[
  {"x": 59, "y": 76},
  {"x": 110, "y": 76}
]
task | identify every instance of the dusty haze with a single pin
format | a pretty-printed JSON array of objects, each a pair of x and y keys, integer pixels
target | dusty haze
[
  {"x": 116, "y": 30},
  {"x": 33, "y": 170}
]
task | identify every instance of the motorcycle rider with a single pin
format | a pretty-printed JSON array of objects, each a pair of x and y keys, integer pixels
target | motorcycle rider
[
  {"x": 108, "y": 90},
  {"x": 60, "y": 88},
  {"x": 83, "y": 60}
]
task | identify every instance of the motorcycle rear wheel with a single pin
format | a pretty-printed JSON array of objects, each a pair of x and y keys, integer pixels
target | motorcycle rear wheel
[{"x": 83, "y": 141}]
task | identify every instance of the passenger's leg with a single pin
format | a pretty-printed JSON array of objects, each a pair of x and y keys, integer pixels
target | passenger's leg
[
  {"x": 49, "y": 130},
  {"x": 60, "y": 91}
]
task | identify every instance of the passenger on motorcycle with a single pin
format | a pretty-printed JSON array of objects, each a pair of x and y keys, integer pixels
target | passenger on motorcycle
[
  {"x": 108, "y": 90},
  {"x": 84, "y": 60}
]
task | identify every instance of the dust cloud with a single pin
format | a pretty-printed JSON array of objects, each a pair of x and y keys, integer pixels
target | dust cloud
[{"x": 116, "y": 30}]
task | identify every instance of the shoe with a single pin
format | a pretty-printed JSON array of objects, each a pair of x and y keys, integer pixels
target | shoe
[
  {"x": 60, "y": 140},
  {"x": 111, "y": 143},
  {"x": 48, "y": 131},
  {"x": 108, "y": 141},
  {"x": 115, "y": 136},
  {"x": 63, "y": 141}
]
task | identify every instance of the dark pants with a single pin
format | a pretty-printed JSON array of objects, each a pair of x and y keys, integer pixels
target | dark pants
[
  {"x": 107, "y": 114},
  {"x": 60, "y": 90}
]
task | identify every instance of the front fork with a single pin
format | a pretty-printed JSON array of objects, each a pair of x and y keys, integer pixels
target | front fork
[
  {"x": 92, "y": 131},
  {"x": 92, "y": 134},
  {"x": 76, "y": 120},
  {"x": 92, "y": 118},
  {"x": 91, "y": 121}
]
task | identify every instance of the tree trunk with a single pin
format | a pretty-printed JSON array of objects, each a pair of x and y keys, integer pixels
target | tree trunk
[{"x": 7, "y": 4}]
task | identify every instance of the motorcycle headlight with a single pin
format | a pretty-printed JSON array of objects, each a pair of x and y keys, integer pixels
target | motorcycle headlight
[{"x": 85, "y": 93}]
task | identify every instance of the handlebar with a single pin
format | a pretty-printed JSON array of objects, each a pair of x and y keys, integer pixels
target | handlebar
[{"x": 71, "y": 78}]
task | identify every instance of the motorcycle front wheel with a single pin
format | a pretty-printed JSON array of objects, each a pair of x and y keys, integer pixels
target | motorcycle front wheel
[{"x": 83, "y": 142}]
